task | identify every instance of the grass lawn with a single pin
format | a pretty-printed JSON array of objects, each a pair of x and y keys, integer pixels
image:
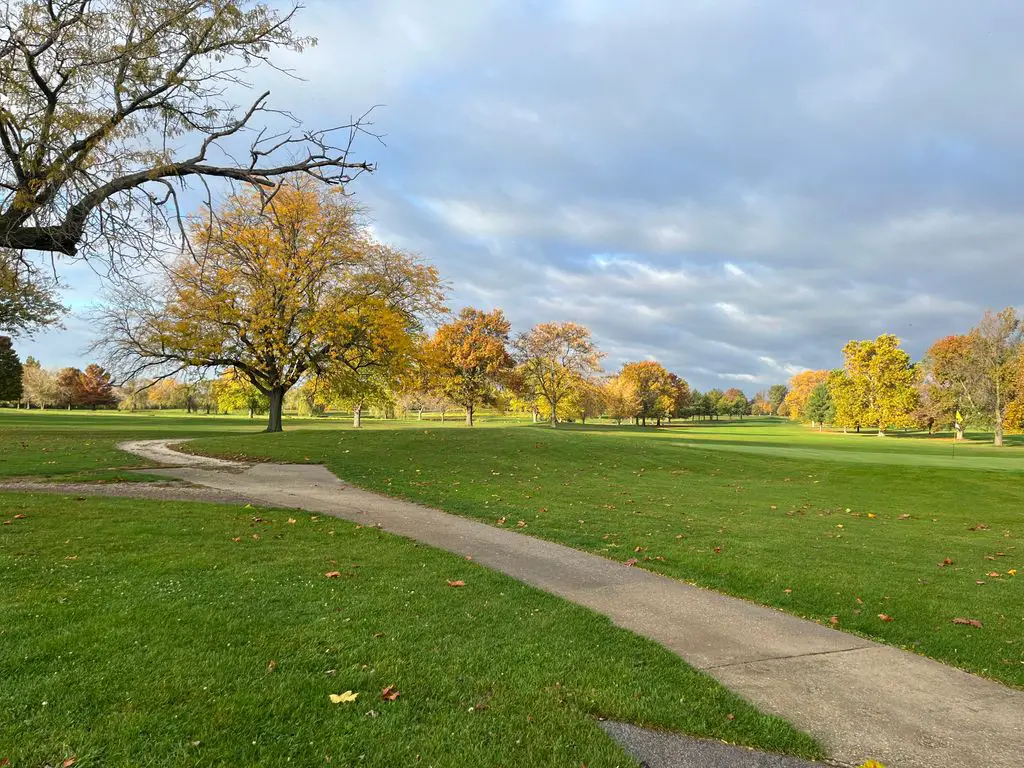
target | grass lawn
[
  {"x": 159, "y": 633},
  {"x": 822, "y": 526}
]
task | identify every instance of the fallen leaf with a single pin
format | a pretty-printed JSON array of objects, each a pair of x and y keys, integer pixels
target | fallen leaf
[
  {"x": 389, "y": 694},
  {"x": 788, "y": 591},
  {"x": 458, "y": 583},
  {"x": 859, "y": 601},
  {"x": 271, "y": 666},
  {"x": 69, "y": 762},
  {"x": 885, "y": 617},
  {"x": 292, "y": 521},
  {"x": 332, "y": 574},
  {"x": 872, "y": 514},
  {"x": 631, "y": 562},
  {"x": 343, "y": 698},
  {"x": 967, "y": 622},
  {"x": 520, "y": 524},
  {"x": 501, "y": 520},
  {"x": 904, "y": 516},
  {"x": 237, "y": 539},
  {"x": 8, "y": 522},
  {"x": 730, "y": 717},
  {"x": 978, "y": 527},
  {"x": 71, "y": 557},
  {"x": 945, "y": 562},
  {"x": 19, "y": 516},
  {"x": 834, "y": 621},
  {"x": 255, "y": 537},
  {"x": 717, "y": 550},
  {"x": 979, "y": 582},
  {"x": 639, "y": 549},
  {"x": 1012, "y": 571},
  {"x": 992, "y": 574}
]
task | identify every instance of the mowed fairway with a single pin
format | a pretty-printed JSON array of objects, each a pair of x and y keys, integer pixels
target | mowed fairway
[
  {"x": 819, "y": 525},
  {"x": 161, "y": 633}
]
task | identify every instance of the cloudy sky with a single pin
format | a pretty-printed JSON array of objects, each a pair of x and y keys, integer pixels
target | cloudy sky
[{"x": 732, "y": 187}]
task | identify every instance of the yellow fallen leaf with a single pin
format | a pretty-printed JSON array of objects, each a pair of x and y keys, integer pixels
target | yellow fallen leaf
[
  {"x": 343, "y": 698},
  {"x": 292, "y": 521},
  {"x": 872, "y": 514}
]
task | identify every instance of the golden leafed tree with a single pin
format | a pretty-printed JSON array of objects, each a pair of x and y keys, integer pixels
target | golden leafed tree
[
  {"x": 468, "y": 359},
  {"x": 552, "y": 359},
  {"x": 277, "y": 291},
  {"x": 800, "y": 388},
  {"x": 653, "y": 387}
]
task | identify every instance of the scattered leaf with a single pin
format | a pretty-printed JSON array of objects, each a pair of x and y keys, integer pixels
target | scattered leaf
[
  {"x": 292, "y": 521},
  {"x": 945, "y": 562},
  {"x": 967, "y": 622},
  {"x": 1012, "y": 571},
  {"x": 271, "y": 666},
  {"x": 69, "y": 762},
  {"x": 639, "y": 549},
  {"x": 788, "y": 591},
  {"x": 343, "y": 698},
  {"x": 834, "y": 621},
  {"x": 19, "y": 516},
  {"x": 255, "y": 537},
  {"x": 631, "y": 562},
  {"x": 520, "y": 524},
  {"x": 872, "y": 515},
  {"x": 237, "y": 539},
  {"x": 978, "y": 527},
  {"x": 859, "y": 601},
  {"x": 730, "y": 717},
  {"x": 885, "y": 617},
  {"x": 390, "y": 693},
  {"x": 458, "y": 583},
  {"x": 904, "y": 516},
  {"x": 501, "y": 520},
  {"x": 979, "y": 582},
  {"x": 717, "y": 550},
  {"x": 332, "y": 574},
  {"x": 992, "y": 575}
]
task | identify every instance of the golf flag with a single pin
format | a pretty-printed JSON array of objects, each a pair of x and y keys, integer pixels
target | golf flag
[{"x": 959, "y": 419}]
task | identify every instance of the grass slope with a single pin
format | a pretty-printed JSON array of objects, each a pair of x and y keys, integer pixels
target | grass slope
[
  {"x": 815, "y": 536},
  {"x": 143, "y": 633}
]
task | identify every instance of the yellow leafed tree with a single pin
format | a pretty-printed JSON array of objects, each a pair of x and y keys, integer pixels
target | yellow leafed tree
[{"x": 277, "y": 292}]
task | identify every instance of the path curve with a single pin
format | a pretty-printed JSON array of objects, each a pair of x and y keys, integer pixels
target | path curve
[{"x": 861, "y": 699}]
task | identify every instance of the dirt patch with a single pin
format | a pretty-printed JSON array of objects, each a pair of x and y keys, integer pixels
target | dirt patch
[{"x": 155, "y": 491}]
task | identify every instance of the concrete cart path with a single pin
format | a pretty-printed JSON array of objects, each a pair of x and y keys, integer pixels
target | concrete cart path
[{"x": 859, "y": 698}]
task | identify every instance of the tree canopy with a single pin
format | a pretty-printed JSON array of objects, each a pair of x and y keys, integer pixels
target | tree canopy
[
  {"x": 468, "y": 359},
  {"x": 283, "y": 290},
  {"x": 111, "y": 107}
]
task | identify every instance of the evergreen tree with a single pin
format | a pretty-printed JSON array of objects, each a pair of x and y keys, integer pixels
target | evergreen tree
[
  {"x": 820, "y": 408},
  {"x": 10, "y": 372}
]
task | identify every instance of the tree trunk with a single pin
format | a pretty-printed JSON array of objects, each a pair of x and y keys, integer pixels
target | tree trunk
[
  {"x": 959, "y": 431},
  {"x": 998, "y": 432},
  {"x": 442, "y": 415},
  {"x": 881, "y": 431},
  {"x": 583, "y": 419},
  {"x": 357, "y": 416},
  {"x": 534, "y": 414},
  {"x": 276, "y": 409},
  {"x": 554, "y": 414},
  {"x": 419, "y": 415},
  {"x": 252, "y": 412},
  {"x": 469, "y": 416}
]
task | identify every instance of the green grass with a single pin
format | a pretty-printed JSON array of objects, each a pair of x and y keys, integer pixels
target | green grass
[
  {"x": 818, "y": 525},
  {"x": 140, "y": 633}
]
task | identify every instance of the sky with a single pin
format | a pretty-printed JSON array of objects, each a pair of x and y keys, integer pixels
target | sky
[{"x": 732, "y": 187}]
